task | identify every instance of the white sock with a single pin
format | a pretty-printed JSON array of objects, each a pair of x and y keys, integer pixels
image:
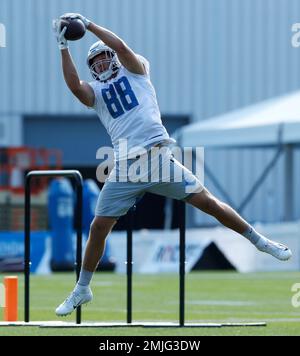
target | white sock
[
  {"x": 80, "y": 288},
  {"x": 85, "y": 278},
  {"x": 255, "y": 237}
]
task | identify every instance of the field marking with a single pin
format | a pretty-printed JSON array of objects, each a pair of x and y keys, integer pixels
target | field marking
[
  {"x": 284, "y": 320},
  {"x": 269, "y": 320},
  {"x": 244, "y": 276},
  {"x": 247, "y": 312},
  {"x": 220, "y": 302}
]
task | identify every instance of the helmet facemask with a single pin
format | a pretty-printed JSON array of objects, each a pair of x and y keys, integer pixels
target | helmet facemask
[{"x": 103, "y": 69}]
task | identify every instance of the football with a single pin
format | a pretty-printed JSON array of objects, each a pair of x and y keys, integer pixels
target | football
[{"x": 75, "y": 29}]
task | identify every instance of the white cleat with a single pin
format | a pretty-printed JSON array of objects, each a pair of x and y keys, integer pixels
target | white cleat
[
  {"x": 74, "y": 300},
  {"x": 280, "y": 251}
]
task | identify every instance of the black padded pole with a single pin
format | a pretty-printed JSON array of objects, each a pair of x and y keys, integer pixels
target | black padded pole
[
  {"x": 129, "y": 264},
  {"x": 78, "y": 216},
  {"x": 181, "y": 212}
]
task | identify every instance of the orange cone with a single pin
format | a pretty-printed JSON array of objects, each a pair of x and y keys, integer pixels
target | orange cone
[{"x": 11, "y": 299}]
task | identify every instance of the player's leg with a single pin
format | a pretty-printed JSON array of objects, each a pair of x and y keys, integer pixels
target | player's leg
[
  {"x": 114, "y": 201},
  {"x": 100, "y": 228},
  {"x": 187, "y": 187},
  {"x": 82, "y": 294},
  {"x": 228, "y": 217}
]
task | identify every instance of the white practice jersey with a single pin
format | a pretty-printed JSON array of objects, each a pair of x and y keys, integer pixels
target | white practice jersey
[{"x": 127, "y": 107}]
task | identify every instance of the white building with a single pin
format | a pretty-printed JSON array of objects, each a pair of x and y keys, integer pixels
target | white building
[{"x": 207, "y": 57}]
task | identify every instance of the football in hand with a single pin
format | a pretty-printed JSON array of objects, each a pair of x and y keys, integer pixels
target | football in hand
[{"x": 75, "y": 29}]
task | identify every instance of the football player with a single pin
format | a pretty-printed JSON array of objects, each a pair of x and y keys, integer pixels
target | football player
[{"x": 124, "y": 98}]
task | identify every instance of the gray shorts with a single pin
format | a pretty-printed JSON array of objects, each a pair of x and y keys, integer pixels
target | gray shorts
[{"x": 129, "y": 181}]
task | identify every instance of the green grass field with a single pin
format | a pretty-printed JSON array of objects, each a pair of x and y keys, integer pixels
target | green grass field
[{"x": 210, "y": 297}]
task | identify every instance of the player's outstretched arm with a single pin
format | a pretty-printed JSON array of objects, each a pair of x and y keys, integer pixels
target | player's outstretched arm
[
  {"x": 79, "y": 88},
  {"x": 125, "y": 54},
  {"x": 82, "y": 90}
]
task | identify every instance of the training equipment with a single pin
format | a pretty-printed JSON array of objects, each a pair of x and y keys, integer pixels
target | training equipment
[
  {"x": 75, "y": 29},
  {"x": 11, "y": 299},
  {"x": 111, "y": 58},
  {"x": 57, "y": 324},
  {"x": 61, "y": 198},
  {"x": 76, "y": 176}
]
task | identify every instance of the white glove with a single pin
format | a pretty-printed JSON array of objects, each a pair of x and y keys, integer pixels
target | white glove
[
  {"x": 72, "y": 15},
  {"x": 60, "y": 34}
]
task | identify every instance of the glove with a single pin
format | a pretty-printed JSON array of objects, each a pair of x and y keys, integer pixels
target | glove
[
  {"x": 72, "y": 15},
  {"x": 60, "y": 34}
]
